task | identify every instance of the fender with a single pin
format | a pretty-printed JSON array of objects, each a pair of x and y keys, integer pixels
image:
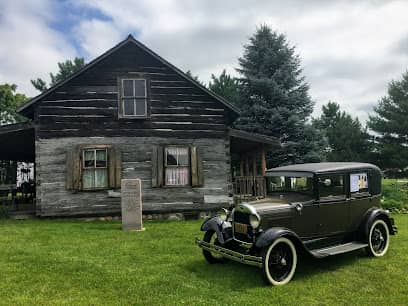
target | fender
[
  {"x": 371, "y": 215},
  {"x": 218, "y": 226},
  {"x": 266, "y": 238}
]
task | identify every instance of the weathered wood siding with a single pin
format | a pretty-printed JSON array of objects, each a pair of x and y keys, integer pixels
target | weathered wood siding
[
  {"x": 88, "y": 105},
  {"x": 53, "y": 198}
]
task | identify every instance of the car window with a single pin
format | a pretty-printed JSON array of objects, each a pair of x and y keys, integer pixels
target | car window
[
  {"x": 359, "y": 184},
  {"x": 331, "y": 186},
  {"x": 299, "y": 184}
]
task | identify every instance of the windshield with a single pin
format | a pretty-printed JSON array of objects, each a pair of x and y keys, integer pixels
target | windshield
[{"x": 298, "y": 184}]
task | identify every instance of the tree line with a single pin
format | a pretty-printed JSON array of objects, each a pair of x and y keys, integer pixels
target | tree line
[{"x": 273, "y": 97}]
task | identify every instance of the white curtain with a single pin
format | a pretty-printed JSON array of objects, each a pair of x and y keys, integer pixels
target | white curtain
[{"x": 177, "y": 176}]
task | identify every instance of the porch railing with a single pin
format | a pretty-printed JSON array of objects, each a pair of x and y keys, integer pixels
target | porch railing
[{"x": 249, "y": 188}]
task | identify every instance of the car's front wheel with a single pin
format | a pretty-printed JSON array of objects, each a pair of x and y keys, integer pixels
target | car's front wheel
[
  {"x": 378, "y": 239},
  {"x": 210, "y": 236},
  {"x": 279, "y": 261}
]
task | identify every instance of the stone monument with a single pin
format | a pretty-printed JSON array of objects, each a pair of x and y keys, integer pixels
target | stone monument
[{"x": 131, "y": 195}]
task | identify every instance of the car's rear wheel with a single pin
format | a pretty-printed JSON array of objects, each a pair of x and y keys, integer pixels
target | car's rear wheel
[
  {"x": 378, "y": 239},
  {"x": 210, "y": 236},
  {"x": 279, "y": 261}
]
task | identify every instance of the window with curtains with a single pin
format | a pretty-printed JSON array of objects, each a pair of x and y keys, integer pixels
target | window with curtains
[
  {"x": 177, "y": 166},
  {"x": 95, "y": 169}
]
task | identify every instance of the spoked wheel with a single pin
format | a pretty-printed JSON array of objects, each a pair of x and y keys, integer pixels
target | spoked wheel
[
  {"x": 211, "y": 237},
  {"x": 378, "y": 239},
  {"x": 279, "y": 262}
]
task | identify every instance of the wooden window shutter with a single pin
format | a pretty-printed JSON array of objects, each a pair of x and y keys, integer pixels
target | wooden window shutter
[
  {"x": 197, "y": 175},
  {"x": 73, "y": 164},
  {"x": 157, "y": 166},
  {"x": 115, "y": 167}
]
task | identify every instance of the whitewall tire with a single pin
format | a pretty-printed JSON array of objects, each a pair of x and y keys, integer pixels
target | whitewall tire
[
  {"x": 279, "y": 261},
  {"x": 378, "y": 238}
]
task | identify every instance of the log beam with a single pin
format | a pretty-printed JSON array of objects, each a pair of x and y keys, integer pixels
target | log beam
[{"x": 263, "y": 161}]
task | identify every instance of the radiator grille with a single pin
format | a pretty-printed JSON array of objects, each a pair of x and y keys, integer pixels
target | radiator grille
[{"x": 242, "y": 218}]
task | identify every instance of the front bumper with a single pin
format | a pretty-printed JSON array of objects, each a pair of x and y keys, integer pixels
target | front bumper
[{"x": 227, "y": 253}]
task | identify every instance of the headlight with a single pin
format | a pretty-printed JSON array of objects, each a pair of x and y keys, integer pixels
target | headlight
[
  {"x": 223, "y": 214},
  {"x": 255, "y": 221}
]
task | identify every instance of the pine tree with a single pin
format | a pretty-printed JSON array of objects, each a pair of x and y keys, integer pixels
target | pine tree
[
  {"x": 225, "y": 86},
  {"x": 65, "y": 70},
  {"x": 347, "y": 139},
  {"x": 275, "y": 98},
  {"x": 391, "y": 125}
]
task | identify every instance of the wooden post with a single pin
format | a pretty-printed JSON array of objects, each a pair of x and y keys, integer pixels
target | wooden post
[
  {"x": 241, "y": 166},
  {"x": 263, "y": 161},
  {"x": 254, "y": 172},
  {"x": 247, "y": 165}
]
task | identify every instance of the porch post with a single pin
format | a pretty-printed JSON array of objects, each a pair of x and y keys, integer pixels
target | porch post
[
  {"x": 263, "y": 161},
  {"x": 247, "y": 165},
  {"x": 254, "y": 164},
  {"x": 241, "y": 166}
]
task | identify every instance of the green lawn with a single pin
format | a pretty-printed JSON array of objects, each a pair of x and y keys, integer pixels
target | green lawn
[
  {"x": 95, "y": 263},
  {"x": 395, "y": 193}
]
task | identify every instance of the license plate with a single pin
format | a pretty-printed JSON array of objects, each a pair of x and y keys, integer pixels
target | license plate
[{"x": 240, "y": 228}]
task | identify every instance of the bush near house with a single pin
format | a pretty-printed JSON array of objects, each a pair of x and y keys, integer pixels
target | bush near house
[
  {"x": 395, "y": 194},
  {"x": 66, "y": 262}
]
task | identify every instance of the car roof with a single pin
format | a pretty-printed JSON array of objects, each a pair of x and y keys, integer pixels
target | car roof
[{"x": 324, "y": 167}]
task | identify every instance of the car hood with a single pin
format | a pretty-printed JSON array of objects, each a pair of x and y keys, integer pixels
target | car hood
[{"x": 278, "y": 202}]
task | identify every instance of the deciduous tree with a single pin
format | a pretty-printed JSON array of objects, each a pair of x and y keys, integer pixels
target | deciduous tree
[{"x": 10, "y": 100}]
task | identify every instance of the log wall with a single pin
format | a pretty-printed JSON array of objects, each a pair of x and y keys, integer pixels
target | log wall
[{"x": 53, "y": 199}]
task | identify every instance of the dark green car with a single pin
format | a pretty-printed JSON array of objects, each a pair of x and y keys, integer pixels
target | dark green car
[{"x": 318, "y": 209}]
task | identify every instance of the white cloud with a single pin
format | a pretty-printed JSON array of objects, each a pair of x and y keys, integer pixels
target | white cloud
[
  {"x": 29, "y": 48},
  {"x": 350, "y": 50},
  {"x": 345, "y": 45},
  {"x": 97, "y": 36}
]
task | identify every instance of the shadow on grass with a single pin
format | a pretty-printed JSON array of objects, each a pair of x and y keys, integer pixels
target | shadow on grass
[
  {"x": 308, "y": 266},
  {"x": 235, "y": 276}
]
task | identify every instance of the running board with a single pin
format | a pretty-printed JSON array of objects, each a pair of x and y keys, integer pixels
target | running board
[{"x": 338, "y": 249}]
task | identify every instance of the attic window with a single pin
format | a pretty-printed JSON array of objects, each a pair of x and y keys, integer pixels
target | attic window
[{"x": 133, "y": 99}]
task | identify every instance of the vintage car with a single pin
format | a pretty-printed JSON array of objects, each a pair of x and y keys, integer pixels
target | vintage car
[{"x": 317, "y": 209}]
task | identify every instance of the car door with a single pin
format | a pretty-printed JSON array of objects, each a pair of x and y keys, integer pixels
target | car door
[
  {"x": 333, "y": 206},
  {"x": 305, "y": 224}
]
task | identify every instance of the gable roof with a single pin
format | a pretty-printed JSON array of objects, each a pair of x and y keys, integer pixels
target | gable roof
[{"x": 25, "y": 109}]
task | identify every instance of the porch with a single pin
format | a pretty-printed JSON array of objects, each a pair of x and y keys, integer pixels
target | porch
[
  {"x": 248, "y": 164},
  {"x": 17, "y": 157}
]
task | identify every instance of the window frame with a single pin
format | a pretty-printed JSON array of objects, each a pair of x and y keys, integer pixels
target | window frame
[
  {"x": 335, "y": 198},
  {"x": 94, "y": 167},
  {"x": 122, "y": 97},
  {"x": 360, "y": 194},
  {"x": 188, "y": 166}
]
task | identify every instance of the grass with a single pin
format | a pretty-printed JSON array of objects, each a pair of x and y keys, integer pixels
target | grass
[
  {"x": 395, "y": 193},
  {"x": 65, "y": 262}
]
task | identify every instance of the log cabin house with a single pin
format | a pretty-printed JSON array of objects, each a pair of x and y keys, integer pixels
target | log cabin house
[{"x": 131, "y": 114}]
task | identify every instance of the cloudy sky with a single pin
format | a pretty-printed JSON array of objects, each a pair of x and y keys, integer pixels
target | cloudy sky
[{"x": 350, "y": 50}]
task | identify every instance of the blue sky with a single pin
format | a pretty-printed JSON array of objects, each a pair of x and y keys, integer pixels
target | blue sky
[{"x": 350, "y": 50}]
